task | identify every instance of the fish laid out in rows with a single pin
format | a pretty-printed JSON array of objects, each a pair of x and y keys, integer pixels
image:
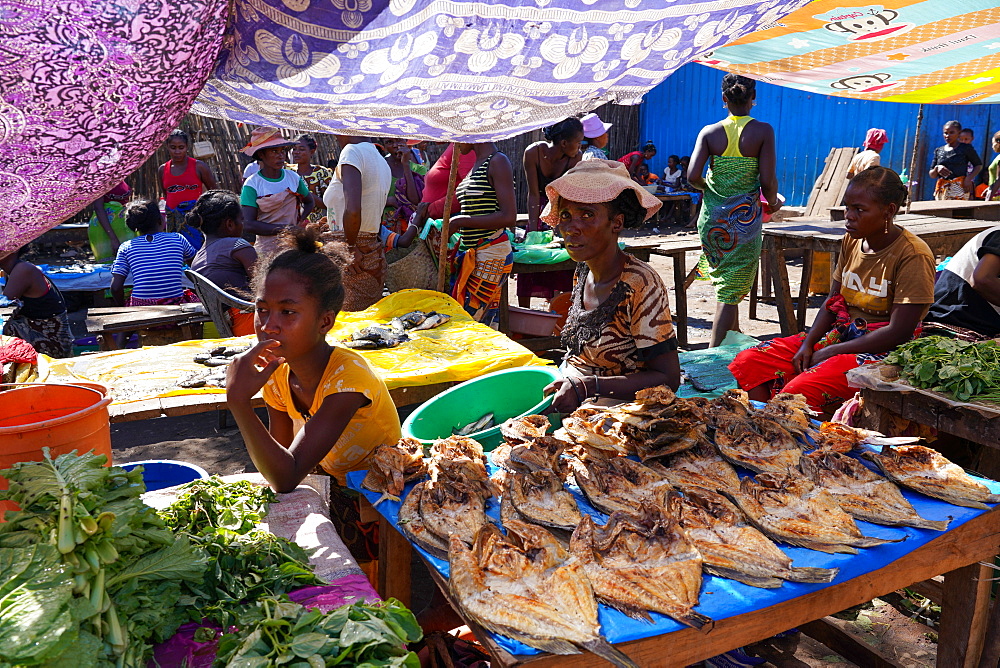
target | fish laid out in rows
[
  {"x": 791, "y": 411},
  {"x": 863, "y": 493},
  {"x": 643, "y": 562},
  {"x": 616, "y": 484},
  {"x": 376, "y": 337},
  {"x": 791, "y": 510},
  {"x": 392, "y": 466},
  {"x": 700, "y": 466},
  {"x": 539, "y": 497},
  {"x": 527, "y": 587},
  {"x": 733, "y": 549},
  {"x": 929, "y": 472}
]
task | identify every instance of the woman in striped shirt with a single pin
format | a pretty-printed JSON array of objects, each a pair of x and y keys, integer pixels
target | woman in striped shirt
[
  {"x": 154, "y": 258},
  {"x": 485, "y": 257}
]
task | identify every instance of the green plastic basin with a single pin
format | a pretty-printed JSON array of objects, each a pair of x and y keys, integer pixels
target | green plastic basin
[{"x": 506, "y": 394}]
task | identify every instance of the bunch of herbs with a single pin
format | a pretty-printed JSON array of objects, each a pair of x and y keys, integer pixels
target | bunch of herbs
[{"x": 967, "y": 371}]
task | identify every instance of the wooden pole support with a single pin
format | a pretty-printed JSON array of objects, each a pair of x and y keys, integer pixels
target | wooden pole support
[
  {"x": 913, "y": 158},
  {"x": 446, "y": 219}
]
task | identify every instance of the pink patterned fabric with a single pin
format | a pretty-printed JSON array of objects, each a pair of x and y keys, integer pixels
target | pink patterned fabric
[{"x": 88, "y": 90}]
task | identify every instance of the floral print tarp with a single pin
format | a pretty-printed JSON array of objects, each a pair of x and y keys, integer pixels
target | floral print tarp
[
  {"x": 458, "y": 69},
  {"x": 88, "y": 90}
]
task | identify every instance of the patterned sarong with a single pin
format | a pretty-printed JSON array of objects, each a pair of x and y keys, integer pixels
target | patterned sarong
[
  {"x": 363, "y": 282},
  {"x": 730, "y": 226},
  {"x": 49, "y": 336},
  {"x": 480, "y": 273},
  {"x": 950, "y": 189}
]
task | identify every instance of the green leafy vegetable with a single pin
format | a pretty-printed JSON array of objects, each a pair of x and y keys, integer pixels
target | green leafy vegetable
[
  {"x": 36, "y": 618},
  {"x": 967, "y": 371},
  {"x": 277, "y": 631}
]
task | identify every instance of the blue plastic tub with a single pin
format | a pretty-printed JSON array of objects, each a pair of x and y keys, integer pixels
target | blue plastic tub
[{"x": 161, "y": 473}]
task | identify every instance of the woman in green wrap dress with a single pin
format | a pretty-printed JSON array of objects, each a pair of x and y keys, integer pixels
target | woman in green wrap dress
[{"x": 739, "y": 152}]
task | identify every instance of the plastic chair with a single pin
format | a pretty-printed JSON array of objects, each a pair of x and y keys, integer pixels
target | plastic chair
[{"x": 217, "y": 302}]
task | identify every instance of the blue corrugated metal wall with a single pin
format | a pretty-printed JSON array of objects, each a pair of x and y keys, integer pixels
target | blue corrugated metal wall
[{"x": 806, "y": 126}]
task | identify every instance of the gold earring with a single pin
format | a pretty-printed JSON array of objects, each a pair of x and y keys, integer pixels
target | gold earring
[{"x": 887, "y": 226}]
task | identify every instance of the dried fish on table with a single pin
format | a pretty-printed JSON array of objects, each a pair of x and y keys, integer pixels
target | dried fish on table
[
  {"x": 733, "y": 403},
  {"x": 616, "y": 484},
  {"x": 392, "y": 466},
  {"x": 841, "y": 438},
  {"x": 792, "y": 510},
  {"x": 526, "y": 587},
  {"x": 375, "y": 337},
  {"x": 413, "y": 527},
  {"x": 452, "y": 508},
  {"x": 433, "y": 320},
  {"x": 791, "y": 411},
  {"x": 540, "y": 497},
  {"x": 861, "y": 492},
  {"x": 643, "y": 563},
  {"x": 524, "y": 429},
  {"x": 757, "y": 444},
  {"x": 929, "y": 472},
  {"x": 731, "y": 548},
  {"x": 700, "y": 466},
  {"x": 594, "y": 427},
  {"x": 479, "y": 424},
  {"x": 658, "y": 423}
]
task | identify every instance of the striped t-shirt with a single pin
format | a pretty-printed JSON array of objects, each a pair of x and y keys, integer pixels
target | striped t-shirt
[
  {"x": 156, "y": 263},
  {"x": 478, "y": 198}
]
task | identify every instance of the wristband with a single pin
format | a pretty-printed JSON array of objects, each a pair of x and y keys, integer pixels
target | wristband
[
  {"x": 579, "y": 399},
  {"x": 597, "y": 386}
]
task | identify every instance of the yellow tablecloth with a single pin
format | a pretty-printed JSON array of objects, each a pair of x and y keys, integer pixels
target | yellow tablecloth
[{"x": 459, "y": 350}]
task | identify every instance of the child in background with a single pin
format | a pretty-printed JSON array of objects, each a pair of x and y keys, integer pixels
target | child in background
[
  {"x": 325, "y": 405},
  {"x": 226, "y": 258},
  {"x": 993, "y": 171},
  {"x": 154, "y": 258},
  {"x": 673, "y": 173}
]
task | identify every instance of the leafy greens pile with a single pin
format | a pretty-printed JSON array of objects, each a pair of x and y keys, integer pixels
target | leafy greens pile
[
  {"x": 280, "y": 632},
  {"x": 244, "y": 562},
  {"x": 89, "y": 575},
  {"x": 967, "y": 371}
]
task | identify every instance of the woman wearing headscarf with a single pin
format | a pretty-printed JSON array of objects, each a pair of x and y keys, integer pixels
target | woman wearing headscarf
[
  {"x": 274, "y": 197},
  {"x": 619, "y": 336},
  {"x": 739, "y": 152},
  {"x": 869, "y": 156}
]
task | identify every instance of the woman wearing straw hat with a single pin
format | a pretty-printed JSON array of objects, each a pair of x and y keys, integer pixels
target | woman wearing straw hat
[
  {"x": 271, "y": 197},
  {"x": 619, "y": 336}
]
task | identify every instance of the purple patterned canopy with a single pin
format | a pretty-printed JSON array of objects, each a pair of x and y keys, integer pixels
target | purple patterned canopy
[
  {"x": 88, "y": 91},
  {"x": 470, "y": 70}
]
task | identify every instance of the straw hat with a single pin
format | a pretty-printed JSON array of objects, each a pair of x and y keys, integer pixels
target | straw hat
[
  {"x": 265, "y": 138},
  {"x": 594, "y": 181},
  {"x": 593, "y": 126}
]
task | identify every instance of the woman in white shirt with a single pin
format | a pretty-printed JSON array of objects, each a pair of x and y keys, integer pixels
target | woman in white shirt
[{"x": 356, "y": 197}]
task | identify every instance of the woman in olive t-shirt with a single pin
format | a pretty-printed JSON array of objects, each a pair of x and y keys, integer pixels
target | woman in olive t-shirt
[{"x": 882, "y": 288}]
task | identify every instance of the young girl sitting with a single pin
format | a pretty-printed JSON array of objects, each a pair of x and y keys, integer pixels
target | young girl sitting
[
  {"x": 325, "y": 405},
  {"x": 154, "y": 258},
  {"x": 226, "y": 259}
]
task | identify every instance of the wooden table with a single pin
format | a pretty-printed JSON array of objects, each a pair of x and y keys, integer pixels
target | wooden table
[
  {"x": 670, "y": 197},
  {"x": 945, "y": 236},
  {"x": 967, "y": 210},
  {"x": 677, "y": 251},
  {"x": 957, "y": 553},
  {"x": 105, "y": 322}
]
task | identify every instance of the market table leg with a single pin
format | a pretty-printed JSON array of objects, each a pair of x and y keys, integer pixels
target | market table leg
[
  {"x": 964, "y": 613},
  {"x": 394, "y": 554},
  {"x": 782, "y": 291},
  {"x": 680, "y": 296},
  {"x": 107, "y": 341},
  {"x": 991, "y": 649},
  {"x": 807, "y": 266}
]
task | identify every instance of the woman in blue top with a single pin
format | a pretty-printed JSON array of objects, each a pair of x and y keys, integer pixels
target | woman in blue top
[{"x": 154, "y": 258}]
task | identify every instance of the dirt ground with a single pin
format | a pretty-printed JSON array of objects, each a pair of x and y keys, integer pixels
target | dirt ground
[{"x": 215, "y": 444}]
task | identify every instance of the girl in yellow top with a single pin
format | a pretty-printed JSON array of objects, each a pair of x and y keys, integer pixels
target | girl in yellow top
[{"x": 325, "y": 405}]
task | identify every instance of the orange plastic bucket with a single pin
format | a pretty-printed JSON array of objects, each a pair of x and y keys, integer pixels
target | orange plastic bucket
[{"x": 61, "y": 417}]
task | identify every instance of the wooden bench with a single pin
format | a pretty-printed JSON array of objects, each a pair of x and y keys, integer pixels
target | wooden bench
[
  {"x": 105, "y": 322},
  {"x": 676, "y": 251}
]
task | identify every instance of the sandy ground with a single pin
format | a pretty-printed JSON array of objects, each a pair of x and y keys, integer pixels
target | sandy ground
[{"x": 204, "y": 439}]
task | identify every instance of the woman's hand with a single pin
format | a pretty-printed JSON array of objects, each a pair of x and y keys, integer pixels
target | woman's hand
[
  {"x": 804, "y": 358},
  {"x": 567, "y": 397},
  {"x": 249, "y": 372},
  {"x": 969, "y": 184},
  {"x": 823, "y": 354},
  {"x": 457, "y": 223}
]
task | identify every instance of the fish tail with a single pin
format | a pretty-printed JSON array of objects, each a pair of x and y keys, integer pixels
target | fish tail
[
  {"x": 610, "y": 653},
  {"x": 935, "y": 525},
  {"x": 696, "y": 620},
  {"x": 386, "y": 496},
  {"x": 550, "y": 645},
  {"x": 813, "y": 575}
]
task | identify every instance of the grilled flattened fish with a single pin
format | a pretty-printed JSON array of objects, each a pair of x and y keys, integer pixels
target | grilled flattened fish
[
  {"x": 757, "y": 444},
  {"x": 863, "y": 493},
  {"x": 616, "y": 484},
  {"x": 413, "y": 527},
  {"x": 524, "y": 429},
  {"x": 795, "y": 511},
  {"x": 526, "y": 587},
  {"x": 594, "y": 427},
  {"x": 457, "y": 447},
  {"x": 452, "y": 508},
  {"x": 658, "y": 424},
  {"x": 929, "y": 472},
  {"x": 644, "y": 563},
  {"x": 733, "y": 549},
  {"x": 392, "y": 466},
  {"x": 732, "y": 404},
  {"x": 701, "y": 466},
  {"x": 540, "y": 497},
  {"x": 791, "y": 411}
]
